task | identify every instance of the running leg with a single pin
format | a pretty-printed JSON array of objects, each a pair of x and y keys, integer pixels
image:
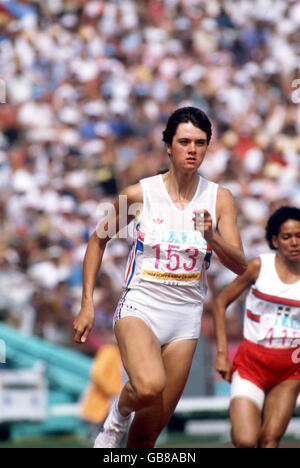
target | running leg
[
  {"x": 141, "y": 356},
  {"x": 278, "y": 410},
  {"x": 245, "y": 422},
  {"x": 149, "y": 422}
]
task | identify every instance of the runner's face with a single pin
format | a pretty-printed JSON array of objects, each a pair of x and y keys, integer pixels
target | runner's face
[
  {"x": 188, "y": 147},
  {"x": 288, "y": 240}
]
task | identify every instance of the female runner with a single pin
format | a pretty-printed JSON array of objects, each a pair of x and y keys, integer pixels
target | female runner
[
  {"x": 158, "y": 318},
  {"x": 266, "y": 369}
]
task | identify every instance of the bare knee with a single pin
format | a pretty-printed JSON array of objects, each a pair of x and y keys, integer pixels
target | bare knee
[
  {"x": 244, "y": 443},
  {"x": 148, "y": 389},
  {"x": 244, "y": 440}
]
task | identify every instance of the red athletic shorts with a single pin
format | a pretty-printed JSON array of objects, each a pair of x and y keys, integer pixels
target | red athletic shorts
[{"x": 265, "y": 367}]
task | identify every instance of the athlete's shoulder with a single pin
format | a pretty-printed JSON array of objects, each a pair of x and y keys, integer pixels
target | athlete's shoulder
[
  {"x": 225, "y": 203},
  {"x": 255, "y": 262},
  {"x": 134, "y": 193},
  {"x": 225, "y": 193},
  {"x": 253, "y": 268}
]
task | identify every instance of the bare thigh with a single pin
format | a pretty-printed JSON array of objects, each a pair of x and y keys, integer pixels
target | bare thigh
[
  {"x": 245, "y": 419},
  {"x": 148, "y": 422},
  {"x": 140, "y": 351},
  {"x": 278, "y": 410}
]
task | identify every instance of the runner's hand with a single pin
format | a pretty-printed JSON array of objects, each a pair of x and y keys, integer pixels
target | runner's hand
[
  {"x": 223, "y": 366},
  {"x": 83, "y": 323},
  {"x": 203, "y": 223}
]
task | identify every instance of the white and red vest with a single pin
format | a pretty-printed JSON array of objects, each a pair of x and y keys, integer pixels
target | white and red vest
[{"x": 272, "y": 309}]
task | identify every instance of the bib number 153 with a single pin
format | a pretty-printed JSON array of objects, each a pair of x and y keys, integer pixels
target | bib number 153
[{"x": 173, "y": 257}]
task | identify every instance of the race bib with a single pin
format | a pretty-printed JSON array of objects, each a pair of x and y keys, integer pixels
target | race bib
[
  {"x": 279, "y": 330},
  {"x": 173, "y": 257}
]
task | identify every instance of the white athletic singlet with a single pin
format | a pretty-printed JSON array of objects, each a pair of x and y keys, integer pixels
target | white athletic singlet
[
  {"x": 168, "y": 258},
  {"x": 272, "y": 315}
]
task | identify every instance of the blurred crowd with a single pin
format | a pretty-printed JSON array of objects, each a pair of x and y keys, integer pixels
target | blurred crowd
[{"x": 85, "y": 91}]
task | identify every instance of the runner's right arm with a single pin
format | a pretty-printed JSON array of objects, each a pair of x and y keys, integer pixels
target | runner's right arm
[{"x": 106, "y": 230}]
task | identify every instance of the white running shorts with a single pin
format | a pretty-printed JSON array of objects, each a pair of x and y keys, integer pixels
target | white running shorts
[{"x": 168, "y": 322}]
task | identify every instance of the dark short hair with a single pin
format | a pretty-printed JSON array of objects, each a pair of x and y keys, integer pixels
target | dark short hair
[
  {"x": 185, "y": 115},
  {"x": 280, "y": 216}
]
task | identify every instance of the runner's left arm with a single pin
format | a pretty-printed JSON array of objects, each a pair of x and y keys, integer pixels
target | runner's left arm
[
  {"x": 225, "y": 241},
  {"x": 223, "y": 300}
]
